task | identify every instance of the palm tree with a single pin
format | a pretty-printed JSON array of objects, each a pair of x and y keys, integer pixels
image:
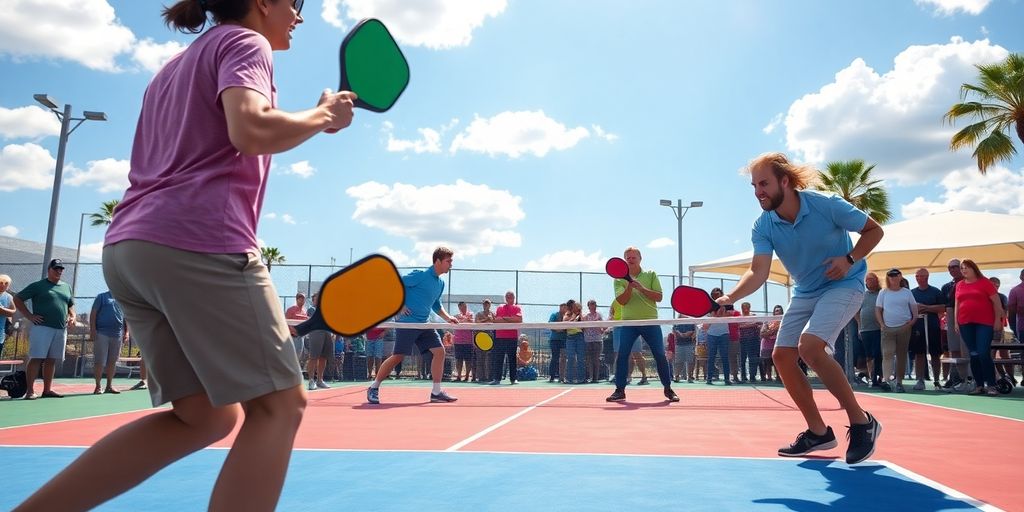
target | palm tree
[
  {"x": 851, "y": 180},
  {"x": 105, "y": 215},
  {"x": 1001, "y": 107},
  {"x": 271, "y": 256}
]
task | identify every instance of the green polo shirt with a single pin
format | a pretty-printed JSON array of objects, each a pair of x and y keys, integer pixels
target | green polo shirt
[
  {"x": 49, "y": 300},
  {"x": 639, "y": 307}
]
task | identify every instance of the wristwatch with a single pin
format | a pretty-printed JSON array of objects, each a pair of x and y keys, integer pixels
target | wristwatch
[{"x": 850, "y": 259}]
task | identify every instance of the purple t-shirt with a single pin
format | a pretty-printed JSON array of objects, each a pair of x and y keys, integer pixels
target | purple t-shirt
[{"x": 189, "y": 187}]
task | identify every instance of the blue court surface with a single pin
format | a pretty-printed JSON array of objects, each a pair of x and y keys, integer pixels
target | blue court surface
[{"x": 479, "y": 481}]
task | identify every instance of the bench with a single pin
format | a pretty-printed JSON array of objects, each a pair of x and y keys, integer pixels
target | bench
[
  {"x": 9, "y": 365},
  {"x": 131, "y": 364}
]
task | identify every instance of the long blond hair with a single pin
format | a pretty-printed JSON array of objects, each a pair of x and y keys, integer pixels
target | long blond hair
[{"x": 800, "y": 176}]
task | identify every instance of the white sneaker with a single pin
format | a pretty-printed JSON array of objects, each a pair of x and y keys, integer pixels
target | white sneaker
[
  {"x": 322, "y": 385},
  {"x": 312, "y": 385},
  {"x": 919, "y": 386}
]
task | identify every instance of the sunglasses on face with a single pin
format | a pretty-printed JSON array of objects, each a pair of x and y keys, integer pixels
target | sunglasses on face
[
  {"x": 297, "y": 5},
  {"x": 57, "y": 269}
]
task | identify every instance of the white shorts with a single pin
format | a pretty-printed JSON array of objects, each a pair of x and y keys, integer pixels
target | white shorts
[{"x": 824, "y": 316}]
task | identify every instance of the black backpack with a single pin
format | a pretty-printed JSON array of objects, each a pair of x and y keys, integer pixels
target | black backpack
[{"x": 14, "y": 384}]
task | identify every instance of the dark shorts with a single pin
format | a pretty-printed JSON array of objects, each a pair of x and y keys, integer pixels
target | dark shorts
[
  {"x": 422, "y": 339},
  {"x": 463, "y": 352},
  {"x": 917, "y": 340}
]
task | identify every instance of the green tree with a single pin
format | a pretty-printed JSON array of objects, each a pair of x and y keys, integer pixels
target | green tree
[
  {"x": 1000, "y": 108},
  {"x": 271, "y": 256},
  {"x": 851, "y": 180},
  {"x": 105, "y": 214}
]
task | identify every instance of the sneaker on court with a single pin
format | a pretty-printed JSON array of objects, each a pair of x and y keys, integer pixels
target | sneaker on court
[
  {"x": 899, "y": 388},
  {"x": 807, "y": 442},
  {"x": 885, "y": 387},
  {"x": 139, "y": 385},
  {"x": 862, "y": 440},
  {"x": 312, "y": 385},
  {"x": 643, "y": 382},
  {"x": 919, "y": 386},
  {"x": 322, "y": 385},
  {"x": 373, "y": 395},
  {"x": 441, "y": 397},
  {"x": 671, "y": 395},
  {"x": 618, "y": 396}
]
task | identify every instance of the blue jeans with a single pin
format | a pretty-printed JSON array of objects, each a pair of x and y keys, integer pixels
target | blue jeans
[
  {"x": 575, "y": 358},
  {"x": 978, "y": 338},
  {"x": 750, "y": 352},
  {"x": 718, "y": 344},
  {"x": 627, "y": 337},
  {"x": 557, "y": 345},
  {"x": 872, "y": 341}
]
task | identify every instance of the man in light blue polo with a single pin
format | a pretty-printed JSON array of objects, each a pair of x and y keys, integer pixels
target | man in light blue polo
[
  {"x": 423, "y": 289},
  {"x": 810, "y": 233}
]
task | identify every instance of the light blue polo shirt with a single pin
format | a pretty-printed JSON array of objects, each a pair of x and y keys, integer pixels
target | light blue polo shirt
[
  {"x": 423, "y": 289},
  {"x": 821, "y": 231}
]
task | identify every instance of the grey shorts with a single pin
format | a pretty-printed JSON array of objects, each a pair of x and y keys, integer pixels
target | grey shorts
[
  {"x": 321, "y": 344},
  {"x": 106, "y": 349},
  {"x": 824, "y": 317},
  {"x": 47, "y": 342},
  {"x": 236, "y": 352}
]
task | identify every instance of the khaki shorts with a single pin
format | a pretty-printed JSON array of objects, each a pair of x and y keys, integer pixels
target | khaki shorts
[
  {"x": 205, "y": 323},
  {"x": 321, "y": 345}
]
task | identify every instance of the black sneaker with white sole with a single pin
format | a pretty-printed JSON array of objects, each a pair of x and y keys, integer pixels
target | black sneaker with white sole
[
  {"x": 862, "y": 440},
  {"x": 441, "y": 397},
  {"x": 618, "y": 396},
  {"x": 807, "y": 442},
  {"x": 671, "y": 395}
]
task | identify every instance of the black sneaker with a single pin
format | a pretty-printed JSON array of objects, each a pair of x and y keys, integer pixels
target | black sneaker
[
  {"x": 372, "y": 395},
  {"x": 643, "y": 382},
  {"x": 862, "y": 440},
  {"x": 441, "y": 397},
  {"x": 618, "y": 396},
  {"x": 885, "y": 387},
  {"x": 671, "y": 395},
  {"x": 807, "y": 442}
]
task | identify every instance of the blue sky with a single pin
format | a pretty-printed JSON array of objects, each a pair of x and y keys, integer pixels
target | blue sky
[{"x": 535, "y": 134}]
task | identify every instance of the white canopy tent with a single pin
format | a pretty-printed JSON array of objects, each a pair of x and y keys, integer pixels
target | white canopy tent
[{"x": 992, "y": 240}]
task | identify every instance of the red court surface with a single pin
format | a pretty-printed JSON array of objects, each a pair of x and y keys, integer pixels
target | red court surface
[{"x": 957, "y": 449}]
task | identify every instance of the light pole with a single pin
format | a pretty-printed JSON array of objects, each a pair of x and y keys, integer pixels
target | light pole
[
  {"x": 65, "y": 120},
  {"x": 78, "y": 255},
  {"x": 680, "y": 211}
]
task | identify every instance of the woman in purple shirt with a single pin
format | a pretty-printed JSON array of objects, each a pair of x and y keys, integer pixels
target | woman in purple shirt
[{"x": 183, "y": 239}]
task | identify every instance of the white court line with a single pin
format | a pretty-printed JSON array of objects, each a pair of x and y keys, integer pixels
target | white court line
[
  {"x": 132, "y": 411},
  {"x": 948, "y": 491},
  {"x": 478, "y": 435},
  {"x": 903, "y": 400}
]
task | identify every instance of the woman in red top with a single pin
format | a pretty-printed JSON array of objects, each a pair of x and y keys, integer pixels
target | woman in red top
[{"x": 978, "y": 313}]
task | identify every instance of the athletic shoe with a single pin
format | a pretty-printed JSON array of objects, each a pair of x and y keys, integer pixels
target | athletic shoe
[
  {"x": 373, "y": 395},
  {"x": 919, "y": 386},
  {"x": 807, "y": 442},
  {"x": 992, "y": 391},
  {"x": 312, "y": 385},
  {"x": 885, "y": 387},
  {"x": 441, "y": 397},
  {"x": 618, "y": 396},
  {"x": 112, "y": 391},
  {"x": 322, "y": 385},
  {"x": 643, "y": 382},
  {"x": 140, "y": 385},
  {"x": 671, "y": 395},
  {"x": 899, "y": 388},
  {"x": 494, "y": 382},
  {"x": 862, "y": 440}
]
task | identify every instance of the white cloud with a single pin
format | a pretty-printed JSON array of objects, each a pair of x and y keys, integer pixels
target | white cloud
[
  {"x": 269, "y": 216},
  {"x": 602, "y": 134},
  {"x": 659, "y": 243},
  {"x": 429, "y": 142},
  {"x": 92, "y": 252},
  {"x": 152, "y": 55},
  {"x": 287, "y": 218},
  {"x": 515, "y": 133},
  {"x": 301, "y": 169},
  {"x": 435, "y": 24},
  {"x": 471, "y": 219},
  {"x": 9, "y": 230},
  {"x": 401, "y": 259},
  {"x": 27, "y": 123},
  {"x": 893, "y": 120},
  {"x": 950, "y": 7},
  {"x": 576, "y": 261},
  {"x": 107, "y": 175},
  {"x": 999, "y": 191},
  {"x": 773, "y": 124},
  {"x": 25, "y": 166},
  {"x": 83, "y": 31}
]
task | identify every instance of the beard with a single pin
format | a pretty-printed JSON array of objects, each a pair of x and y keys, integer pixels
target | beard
[{"x": 774, "y": 201}]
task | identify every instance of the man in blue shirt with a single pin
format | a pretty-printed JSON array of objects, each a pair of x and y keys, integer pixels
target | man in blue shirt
[
  {"x": 810, "y": 233},
  {"x": 107, "y": 330},
  {"x": 7, "y": 309},
  {"x": 423, "y": 290}
]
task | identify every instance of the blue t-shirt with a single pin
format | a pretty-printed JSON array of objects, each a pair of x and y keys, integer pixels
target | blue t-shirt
[
  {"x": 5, "y": 300},
  {"x": 821, "y": 231},
  {"x": 556, "y": 334},
  {"x": 930, "y": 296},
  {"x": 107, "y": 315},
  {"x": 423, "y": 290}
]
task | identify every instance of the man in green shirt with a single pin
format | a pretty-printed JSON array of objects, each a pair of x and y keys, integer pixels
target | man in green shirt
[
  {"x": 53, "y": 309},
  {"x": 639, "y": 298}
]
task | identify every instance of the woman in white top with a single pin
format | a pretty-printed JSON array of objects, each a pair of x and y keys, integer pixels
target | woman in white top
[{"x": 896, "y": 311}]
